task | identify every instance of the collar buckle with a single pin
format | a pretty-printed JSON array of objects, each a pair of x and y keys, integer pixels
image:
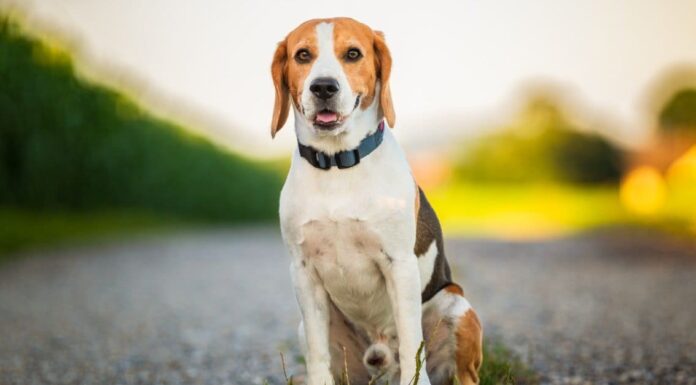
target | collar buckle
[
  {"x": 347, "y": 159},
  {"x": 323, "y": 161}
]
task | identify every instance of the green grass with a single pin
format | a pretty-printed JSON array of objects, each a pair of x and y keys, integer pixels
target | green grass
[
  {"x": 22, "y": 229},
  {"x": 502, "y": 367}
]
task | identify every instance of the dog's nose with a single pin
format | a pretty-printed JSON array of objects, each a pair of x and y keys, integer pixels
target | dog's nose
[
  {"x": 375, "y": 360},
  {"x": 324, "y": 88}
]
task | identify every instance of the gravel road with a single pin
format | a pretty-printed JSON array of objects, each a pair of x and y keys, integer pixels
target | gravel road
[{"x": 217, "y": 308}]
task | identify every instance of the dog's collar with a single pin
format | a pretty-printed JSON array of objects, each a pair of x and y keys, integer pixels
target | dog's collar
[{"x": 343, "y": 159}]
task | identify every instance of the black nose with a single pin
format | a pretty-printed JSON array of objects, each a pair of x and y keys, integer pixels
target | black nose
[
  {"x": 324, "y": 88},
  {"x": 375, "y": 360}
]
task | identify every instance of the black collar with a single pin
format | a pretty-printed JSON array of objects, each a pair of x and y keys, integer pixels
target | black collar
[{"x": 343, "y": 159}]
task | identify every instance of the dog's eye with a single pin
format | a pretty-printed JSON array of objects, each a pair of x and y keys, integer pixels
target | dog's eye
[
  {"x": 303, "y": 56},
  {"x": 353, "y": 54}
]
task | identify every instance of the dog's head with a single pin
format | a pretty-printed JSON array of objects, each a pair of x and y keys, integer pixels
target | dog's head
[{"x": 332, "y": 71}]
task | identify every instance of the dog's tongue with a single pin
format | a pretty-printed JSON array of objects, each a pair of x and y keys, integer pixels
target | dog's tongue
[{"x": 326, "y": 117}]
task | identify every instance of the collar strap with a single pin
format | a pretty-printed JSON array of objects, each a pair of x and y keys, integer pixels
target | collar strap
[{"x": 343, "y": 159}]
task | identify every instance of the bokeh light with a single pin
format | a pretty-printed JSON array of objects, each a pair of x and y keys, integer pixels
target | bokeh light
[{"x": 643, "y": 191}]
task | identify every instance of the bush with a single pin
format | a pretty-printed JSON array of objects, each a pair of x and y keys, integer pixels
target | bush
[
  {"x": 541, "y": 146},
  {"x": 69, "y": 144},
  {"x": 680, "y": 112}
]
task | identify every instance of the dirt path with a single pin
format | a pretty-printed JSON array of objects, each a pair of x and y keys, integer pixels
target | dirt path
[{"x": 217, "y": 307}]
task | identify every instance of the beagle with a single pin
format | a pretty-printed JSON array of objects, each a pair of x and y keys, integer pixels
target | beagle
[{"x": 368, "y": 264}]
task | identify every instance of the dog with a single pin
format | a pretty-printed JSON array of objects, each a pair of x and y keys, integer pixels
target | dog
[{"x": 368, "y": 266}]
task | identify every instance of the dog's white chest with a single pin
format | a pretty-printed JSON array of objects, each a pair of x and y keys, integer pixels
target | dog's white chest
[
  {"x": 346, "y": 225},
  {"x": 344, "y": 252}
]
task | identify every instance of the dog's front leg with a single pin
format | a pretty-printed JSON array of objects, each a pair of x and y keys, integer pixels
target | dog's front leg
[
  {"x": 403, "y": 283},
  {"x": 314, "y": 306}
]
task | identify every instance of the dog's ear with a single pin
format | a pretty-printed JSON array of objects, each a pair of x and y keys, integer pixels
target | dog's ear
[
  {"x": 383, "y": 64},
  {"x": 281, "y": 108}
]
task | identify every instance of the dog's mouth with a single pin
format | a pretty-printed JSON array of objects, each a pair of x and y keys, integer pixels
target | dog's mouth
[{"x": 327, "y": 119}]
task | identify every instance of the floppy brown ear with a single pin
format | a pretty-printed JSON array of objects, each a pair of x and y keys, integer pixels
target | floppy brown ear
[
  {"x": 384, "y": 63},
  {"x": 282, "y": 94}
]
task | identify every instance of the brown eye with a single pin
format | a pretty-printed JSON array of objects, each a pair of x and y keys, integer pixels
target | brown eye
[
  {"x": 353, "y": 54},
  {"x": 303, "y": 56}
]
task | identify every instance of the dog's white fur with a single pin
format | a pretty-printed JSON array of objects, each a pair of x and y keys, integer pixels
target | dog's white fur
[{"x": 351, "y": 234}]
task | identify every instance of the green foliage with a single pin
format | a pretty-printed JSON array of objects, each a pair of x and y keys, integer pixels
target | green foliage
[
  {"x": 69, "y": 144},
  {"x": 541, "y": 146},
  {"x": 680, "y": 111}
]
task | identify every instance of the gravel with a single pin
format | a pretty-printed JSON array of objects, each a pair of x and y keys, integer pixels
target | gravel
[
  {"x": 604, "y": 308},
  {"x": 216, "y": 307}
]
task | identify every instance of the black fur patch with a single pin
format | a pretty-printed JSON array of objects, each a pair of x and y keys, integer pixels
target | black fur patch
[{"x": 427, "y": 230}]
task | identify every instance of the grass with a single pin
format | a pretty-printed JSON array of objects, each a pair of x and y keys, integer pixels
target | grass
[
  {"x": 22, "y": 229},
  {"x": 502, "y": 367}
]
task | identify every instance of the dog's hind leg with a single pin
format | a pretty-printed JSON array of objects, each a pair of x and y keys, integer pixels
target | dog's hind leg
[
  {"x": 453, "y": 338},
  {"x": 347, "y": 346}
]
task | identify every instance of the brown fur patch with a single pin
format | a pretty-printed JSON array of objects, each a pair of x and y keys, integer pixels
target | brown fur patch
[
  {"x": 384, "y": 64},
  {"x": 469, "y": 354},
  {"x": 361, "y": 74},
  {"x": 454, "y": 289},
  {"x": 281, "y": 108},
  {"x": 303, "y": 37}
]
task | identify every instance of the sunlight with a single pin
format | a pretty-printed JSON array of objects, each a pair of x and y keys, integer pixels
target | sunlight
[{"x": 683, "y": 170}]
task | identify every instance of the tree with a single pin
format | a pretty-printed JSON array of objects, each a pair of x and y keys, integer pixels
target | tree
[
  {"x": 542, "y": 145},
  {"x": 679, "y": 113}
]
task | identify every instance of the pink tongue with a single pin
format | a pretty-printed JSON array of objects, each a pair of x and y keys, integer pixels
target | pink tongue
[{"x": 326, "y": 117}]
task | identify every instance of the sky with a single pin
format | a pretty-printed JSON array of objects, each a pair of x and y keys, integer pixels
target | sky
[{"x": 459, "y": 66}]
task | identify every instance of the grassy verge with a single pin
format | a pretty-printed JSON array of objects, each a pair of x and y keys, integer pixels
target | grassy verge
[{"x": 22, "y": 229}]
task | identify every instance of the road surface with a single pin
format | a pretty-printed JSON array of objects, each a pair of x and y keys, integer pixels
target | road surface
[{"x": 216, "y": 307}]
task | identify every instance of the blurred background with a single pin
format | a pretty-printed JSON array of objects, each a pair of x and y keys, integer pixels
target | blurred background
[
  {"x": 524, "y": 122},
  {"x": 519, "y": 120}
]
